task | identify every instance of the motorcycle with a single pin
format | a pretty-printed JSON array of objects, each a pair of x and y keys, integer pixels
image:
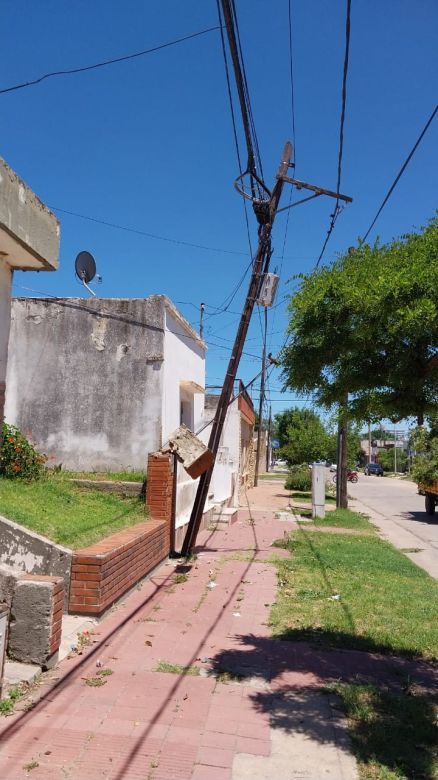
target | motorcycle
[{"x": 352, "y": 476}]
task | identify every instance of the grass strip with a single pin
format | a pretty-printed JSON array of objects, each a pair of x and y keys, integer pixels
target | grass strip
[
  {"x": 169, "y": 668},
  {"x": 394, "y": 736},
  {"x": 66, "y": 513},
  {"x": 357, "y": 592},
  {"x": 306, "y": 498},
  {"x": 99, "y": 476}
]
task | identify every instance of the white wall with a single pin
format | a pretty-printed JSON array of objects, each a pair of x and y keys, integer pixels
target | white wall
[
  {"x": 224, "y": 482},
  {"x": 184, "y": 362},
  {"x": 5, "y": 318}
]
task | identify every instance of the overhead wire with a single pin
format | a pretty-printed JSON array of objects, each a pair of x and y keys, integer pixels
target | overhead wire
[
  {"x": 338, "y": 208},
  {"x": 292, "y": 107},
  {"x": 402, "y": 170},
  {"x": 105, "y": 63}
]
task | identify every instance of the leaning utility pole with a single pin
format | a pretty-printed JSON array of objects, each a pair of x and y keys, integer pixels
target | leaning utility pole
[
  {"x": 265, "y": 204},
  {"x": 224, "y": 398},
  {"x": 261, "y": 401}
]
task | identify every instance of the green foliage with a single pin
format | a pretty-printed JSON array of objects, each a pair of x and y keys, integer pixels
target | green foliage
[
  {"x": 18, "y": 458},
  {"x": 387, "y": 459},
  {"x": 367, "y": 325},
  {"x": 299, "y": 478},
  {"x": 302, "y": 435},
  {"x": 425, "y": 445}
]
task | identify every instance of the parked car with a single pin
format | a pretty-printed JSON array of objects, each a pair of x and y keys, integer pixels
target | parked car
[
  {"x": 333, "y": 467},
  {"x": 373, "y": 468},
  {"x": 282, "y": 463}
]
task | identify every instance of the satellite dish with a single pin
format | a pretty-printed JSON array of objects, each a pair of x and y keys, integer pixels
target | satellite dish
[{"x": 85, "y": 266}]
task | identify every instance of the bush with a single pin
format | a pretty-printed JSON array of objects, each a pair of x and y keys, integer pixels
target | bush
[
  {"x": 18, "y": 457},
  {"x": 299, "y": 478}
]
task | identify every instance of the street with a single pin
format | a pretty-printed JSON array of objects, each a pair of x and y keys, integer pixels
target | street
[{"x": 396, "y": 508}]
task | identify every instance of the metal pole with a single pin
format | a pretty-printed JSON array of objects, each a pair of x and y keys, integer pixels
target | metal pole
[
  {"x": 395, "y": 451},
  {"x": 261, "y": 401}
]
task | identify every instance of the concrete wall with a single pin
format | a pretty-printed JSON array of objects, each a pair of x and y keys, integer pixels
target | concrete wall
[
  {"x": 85, "y": 376},
  {"x": 99, "y": 382},
  {"x": 5, "y": 311},
  {"x": 29, "y": 231},
  {"x": 29, "y": 553}
]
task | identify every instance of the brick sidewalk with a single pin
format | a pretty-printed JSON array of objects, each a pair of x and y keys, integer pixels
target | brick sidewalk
[{"x": 232, "y": 721}]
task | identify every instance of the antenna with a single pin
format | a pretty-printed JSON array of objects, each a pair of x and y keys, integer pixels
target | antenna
[{"x": 85, "y": 267}]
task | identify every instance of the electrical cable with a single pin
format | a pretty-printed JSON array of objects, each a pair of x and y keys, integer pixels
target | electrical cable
[
  {"x": 139, "y": 232},
  {"x": 292, "y": 95},
  {"x": 402, "y": 170},
  {"x": 337, "y": 210},
  {"x": 104, "y": 63}
]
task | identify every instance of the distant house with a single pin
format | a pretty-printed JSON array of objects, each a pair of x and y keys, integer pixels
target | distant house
[
  {"x": 101, "y": 382},
  {"x": 29, "y": 241}
]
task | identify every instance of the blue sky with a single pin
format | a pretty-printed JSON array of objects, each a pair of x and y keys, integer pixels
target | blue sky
[{"x": 148, "y": 143}]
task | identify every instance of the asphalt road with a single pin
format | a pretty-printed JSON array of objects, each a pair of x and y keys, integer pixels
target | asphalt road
[{"x": 398, "y": 511}]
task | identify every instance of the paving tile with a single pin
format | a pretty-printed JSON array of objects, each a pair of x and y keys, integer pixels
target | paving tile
[
  {"x": 256, "y": 746},
  {"x": 203, "y": 772},
  {"x": 215, "y": 756}
]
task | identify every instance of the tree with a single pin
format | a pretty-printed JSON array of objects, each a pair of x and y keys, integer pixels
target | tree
[
  {"x": 366, "y": 328},
  {"x": 387, "y": 459},
  {"x": 424, "y": 442},
  {"x": 302, "y": 436}
]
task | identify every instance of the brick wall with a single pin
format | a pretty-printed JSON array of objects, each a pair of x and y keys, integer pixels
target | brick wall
[
  {"x": 102, "y": 573},
  {"x": 160, "y": 483}
]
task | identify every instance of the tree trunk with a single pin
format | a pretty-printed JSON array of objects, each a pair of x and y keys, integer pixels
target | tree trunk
[{"x": 341, "y": 482}]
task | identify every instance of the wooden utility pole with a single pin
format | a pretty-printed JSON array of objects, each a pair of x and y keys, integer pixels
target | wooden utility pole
[
  {"x": 263, "y": 249},
  {"x": 265, "y": 204},
  {"x": 261, "y": 401}
]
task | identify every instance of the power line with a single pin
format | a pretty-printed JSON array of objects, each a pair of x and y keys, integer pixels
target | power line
[
  {"x": 139, "y": 232},
  {"x": 337, "y": 208},
  {"x": 291, "y": 74},
  {"x": 402, "y": 170},
  {"x": 104, "y": 63},
  {"x": 155, "y": 236}
]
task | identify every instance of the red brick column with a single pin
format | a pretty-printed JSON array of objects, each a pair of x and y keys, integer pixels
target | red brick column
[{"x": 160, "y": 489}]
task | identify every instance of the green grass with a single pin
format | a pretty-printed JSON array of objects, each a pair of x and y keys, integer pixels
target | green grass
[
  {"x": 8, "y": 703},
  {"x": 168, "y": 668},
  {"x": 385, "y": 604},
  {"x": 306, "y": 498},
  {"x": 116, "y": 476},
  {"x": 394, "y": 736},
  {"x": 66, "y": 513},
  {"x": 345, "y": 518}
]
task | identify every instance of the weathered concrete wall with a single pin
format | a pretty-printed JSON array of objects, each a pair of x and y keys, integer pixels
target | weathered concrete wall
[
  {"x": 85, "y": 376},
  {"x": 29, "y": 553},
  {"x": 5, "y": 316},
  {"x": 36, "y": 620},
  {"x": 29, "y": 231}
]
